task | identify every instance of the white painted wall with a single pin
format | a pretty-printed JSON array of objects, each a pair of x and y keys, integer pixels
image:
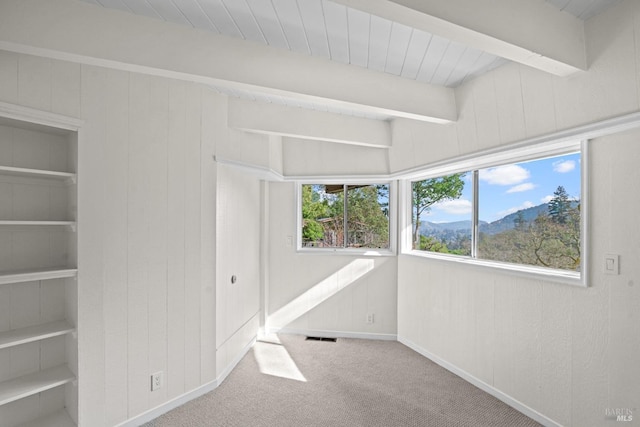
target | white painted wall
[
  {"x": 320, "y": 158},
  {"x": 144, "y": 265},
  {"x": 515, "y": 102},
  {"x": 565, "y": 352},
  {"x": 325, "y": 293},
  {"x": 296, "y": 122},
  {"x": 147, "y": 214}
]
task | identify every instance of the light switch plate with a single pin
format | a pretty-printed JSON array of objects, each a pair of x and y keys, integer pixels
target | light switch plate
[{"x": 612, "y": 264}]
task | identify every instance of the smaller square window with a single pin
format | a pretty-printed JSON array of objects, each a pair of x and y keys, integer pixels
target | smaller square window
[{"x": 344, "y": 216}]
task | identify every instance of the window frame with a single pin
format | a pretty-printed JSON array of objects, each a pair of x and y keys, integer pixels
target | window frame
[
  {"x": 493, "y": 159},
  {"x": 393, "y": 203}
]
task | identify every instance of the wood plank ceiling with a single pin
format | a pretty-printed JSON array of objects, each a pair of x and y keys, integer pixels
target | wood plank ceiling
[
  {"x": 330, "y": 30},
  {"x": 326, "y": 29}
]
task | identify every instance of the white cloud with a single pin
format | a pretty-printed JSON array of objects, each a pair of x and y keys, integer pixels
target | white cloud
[
  {"x": 522, "y": 187},
  {"x": 564, "y": 166},
  {"x": 455, "y": 207},
  {"x": 514, "y": 209},
  {"x": 546, "y": 199},
  {"x": 505, "y": 175}
]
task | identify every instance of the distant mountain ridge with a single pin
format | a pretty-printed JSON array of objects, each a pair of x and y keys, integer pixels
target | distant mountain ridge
[
  {"x": 503, "y": 224},
  {"x": 509, "y": 222}
]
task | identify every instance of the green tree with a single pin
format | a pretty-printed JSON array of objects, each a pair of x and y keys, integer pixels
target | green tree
[
  {"x": 428, "y": 192},
  {"x": 559, "y": 205},
  {"x": 507, "y": 246},
  {"x": 544, "y": 242},
  {"x": 520, "y": 222},
  {"x": 432, "y": 244},
  {"x": 556, "y": 244},
  {"x": 334, "y": 223},
  {"x": 367, "y": 220},
  {"x": 312, "y": 210}
]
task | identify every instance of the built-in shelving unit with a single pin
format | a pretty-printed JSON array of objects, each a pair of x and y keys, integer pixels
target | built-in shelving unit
[{"x": 38, "y": 268}]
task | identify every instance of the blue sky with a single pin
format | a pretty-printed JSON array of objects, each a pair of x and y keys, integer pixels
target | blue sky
[{"x": 507, "y": 189}]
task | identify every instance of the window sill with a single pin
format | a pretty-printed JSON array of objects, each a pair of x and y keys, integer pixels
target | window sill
[
  {"x": 531, "y": 272},
  {"x": 347, "y": 252}
]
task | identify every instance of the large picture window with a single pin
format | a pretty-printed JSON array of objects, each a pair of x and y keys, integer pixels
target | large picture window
[
  {"x": 345, "y": 216},
  {"x": 524, "y": 213}
]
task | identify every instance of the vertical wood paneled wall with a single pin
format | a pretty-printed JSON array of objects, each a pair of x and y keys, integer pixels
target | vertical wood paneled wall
[
  {"x": 146, "y": 195},
  {"x": 562, "y": 351}
]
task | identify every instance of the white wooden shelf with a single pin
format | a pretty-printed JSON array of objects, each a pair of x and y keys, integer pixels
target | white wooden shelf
[
  {"x": 18, "y": 276},
  {"x": 28, "y": 385},
  {"x": 34, "y": 333},
  {"x": 46, "y": 181},
  {"x": 37, "y": 223},
  {"x": 57, "y": 419},
  {"x": 37, "y": 173}
]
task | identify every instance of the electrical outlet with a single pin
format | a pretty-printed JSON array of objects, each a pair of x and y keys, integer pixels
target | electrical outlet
[
  {"x": 370, "y": 318},
  {"x": 156, "y": 381}
]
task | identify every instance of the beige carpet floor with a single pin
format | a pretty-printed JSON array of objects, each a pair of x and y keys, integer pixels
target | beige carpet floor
[{"x": 295, "y": 382}]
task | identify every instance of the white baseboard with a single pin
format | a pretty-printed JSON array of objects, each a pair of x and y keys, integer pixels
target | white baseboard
[
  {"x": 515, "y": 404},
  {"x": 186, "y": 397},
  {"x": 334, "y": 334},
  {"x": 225, "y": 373},
  {"x": 153, "y": 413}
]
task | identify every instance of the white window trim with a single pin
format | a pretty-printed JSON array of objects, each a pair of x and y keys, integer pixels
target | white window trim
[
  {"x": 393, "y": 203},
  {"x": 492, "y": 159}
]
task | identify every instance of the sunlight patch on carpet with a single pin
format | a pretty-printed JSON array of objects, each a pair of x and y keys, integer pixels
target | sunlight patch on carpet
[{"x": 274, "y": 360}]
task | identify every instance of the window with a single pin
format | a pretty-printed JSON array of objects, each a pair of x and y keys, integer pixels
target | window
[
  {"x": 526, "y": 213},
  {"x": 441, "y": 210},
  {"x": 530, "y": 213},
  {"x": 345, "y": 216}
]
